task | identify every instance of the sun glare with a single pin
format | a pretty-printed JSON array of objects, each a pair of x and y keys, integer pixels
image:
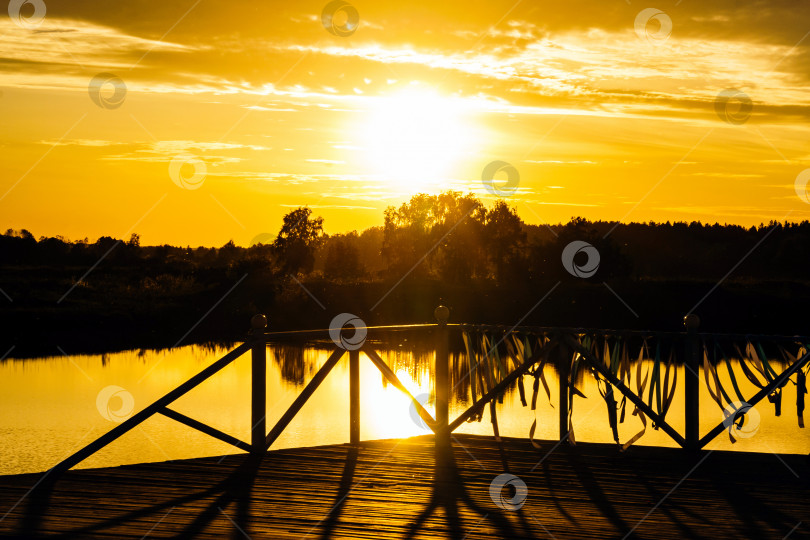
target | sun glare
[
  {"x": 417, "y": 140},
  {"x": 393, "y": 415}
]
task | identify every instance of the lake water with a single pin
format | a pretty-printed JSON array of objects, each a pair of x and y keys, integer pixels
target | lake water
[{"x": 51, "y": 407}]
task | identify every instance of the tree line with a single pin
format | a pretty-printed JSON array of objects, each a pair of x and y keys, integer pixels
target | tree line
[{"x": 456, "y": 238}]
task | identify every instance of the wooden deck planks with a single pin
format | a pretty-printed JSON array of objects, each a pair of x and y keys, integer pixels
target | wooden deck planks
[{"x": 393, "y": 489}]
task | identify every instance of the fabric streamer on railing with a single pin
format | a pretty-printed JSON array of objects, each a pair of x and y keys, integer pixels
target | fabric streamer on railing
[
  {"x": 801, "y": 381},
  {"x": 756, "y": 367},
  {"x": 472, "y": 361},
  {"x": 624, "y": 376},
  {"x": 655, "y": 382},
  {"x": 477, "y": 365},
  {"x": 517, "y": 352},
  {"x": 607, "y": 356},
  {"x": 538, "y": 374},
  {"x": 487, "y": 363},
  {"x": 737, "y": 414},
  {"x": 641, "y": 384},
  {"x": 488, "y": 368},
  {"x": 605, "y": 388},
  {"x": 520, "y": 350},
  {"x": 776, "y": 396},
  {"x": 573, "y": 391},
  {"x": 717, "y": 393},
  {"x": 750, "y": 375},
  {"x": 616, "y": 359},
  {"x": 731, "y": 375},
  {"x": 760, "y": 360},
  {"x": 669, "y": 393},
  {"x": 607, "y": 393}
]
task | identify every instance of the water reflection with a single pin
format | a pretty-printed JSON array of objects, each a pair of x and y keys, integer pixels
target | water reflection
[{"x": 49, "y": 406}]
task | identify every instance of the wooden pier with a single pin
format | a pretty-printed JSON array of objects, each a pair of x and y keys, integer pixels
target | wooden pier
[
  {"x": 449, "y": 485},
  {"x": 408, "y": 488}
]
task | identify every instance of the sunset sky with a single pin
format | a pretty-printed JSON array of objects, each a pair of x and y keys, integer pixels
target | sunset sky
[{"x": 602, "y": 118}]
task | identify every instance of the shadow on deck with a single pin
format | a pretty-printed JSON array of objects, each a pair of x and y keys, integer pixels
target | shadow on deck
[{"x": 397, "y": 488}]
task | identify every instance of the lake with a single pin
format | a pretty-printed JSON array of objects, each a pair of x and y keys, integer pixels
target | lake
[{"x": 51, "y": 407}]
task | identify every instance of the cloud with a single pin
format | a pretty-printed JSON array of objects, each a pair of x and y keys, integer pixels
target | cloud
[
  {"x": 175, "y": 147},
  {"x": 339, "y": 206},
  {"x": 73, "y": 45},
  {"x": 165, "y": 151},
  {"x": 561, "y": 162},
  {"x": 95, "y": 143},
  {"x": 268, "y": 109},
  {"x": 559, "y": 203},
  {"x": 532, "y": 61}
]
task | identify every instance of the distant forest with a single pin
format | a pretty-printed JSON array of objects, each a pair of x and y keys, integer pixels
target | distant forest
[{"x": 483, "y": 262}]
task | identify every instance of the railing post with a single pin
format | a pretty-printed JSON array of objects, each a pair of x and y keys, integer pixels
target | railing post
[
  {"x": 354, "y": 397},
  {"x": 563, "y": 370},
  {"x": 258, "y": 395},
  {"x": 442, "y": 368},
  {"x": 692, "y": 384}
]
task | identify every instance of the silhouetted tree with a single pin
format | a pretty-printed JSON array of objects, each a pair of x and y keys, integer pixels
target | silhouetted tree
[
  {"x": 369, "y": 248},
  {"x": 441, "y": 232},
  {"x": 342, "y": 256},
  {"x": 407, "y": 233},
  {"x": 612, "y": 262},
  {"x": 459, "y": 233},
  {"x": 299, "y": 237},
  {"x": 505, "y": 241}
]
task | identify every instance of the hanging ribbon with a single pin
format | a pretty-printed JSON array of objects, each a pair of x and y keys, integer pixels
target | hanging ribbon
[{"x": 641, "y": 384}]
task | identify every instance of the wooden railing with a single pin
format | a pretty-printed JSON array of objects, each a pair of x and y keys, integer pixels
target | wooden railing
[
  {"x": 577, "y": 349},
  {"x": 261, "y": 439},
  {"x": 529, "y": 349}
]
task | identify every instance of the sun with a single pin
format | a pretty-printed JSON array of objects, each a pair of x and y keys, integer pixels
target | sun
[
  {"x": 417, "y": 140},
  {"x": 393, "y": 414}
]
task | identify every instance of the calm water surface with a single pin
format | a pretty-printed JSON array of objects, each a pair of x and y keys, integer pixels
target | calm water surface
[{"x": 51, "y": 407}]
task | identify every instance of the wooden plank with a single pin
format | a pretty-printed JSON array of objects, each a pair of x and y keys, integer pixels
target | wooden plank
[{"x": 379, "y": 489}]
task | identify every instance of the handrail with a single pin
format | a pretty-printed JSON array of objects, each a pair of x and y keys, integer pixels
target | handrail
[
  {"x": 612, "y": 373},
  {"x": 567, "y": 340},
  {"x": 154, "y": 408},
  {"x": 260, "y": 441},
  {"x": 318, "y": 331},
  {"x": 549, "y": 330},
  {"x": 637, "y": 333}
]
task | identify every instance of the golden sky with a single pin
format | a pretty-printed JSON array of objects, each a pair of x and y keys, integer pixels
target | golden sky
[{"x": 607, "y": 110}]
